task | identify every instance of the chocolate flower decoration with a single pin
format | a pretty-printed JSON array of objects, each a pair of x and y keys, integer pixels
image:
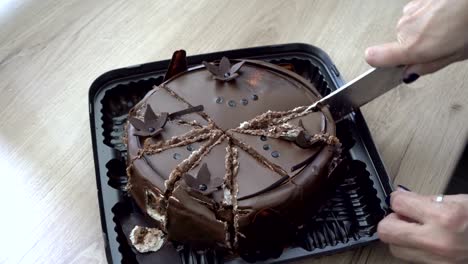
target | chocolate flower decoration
[
  {"x": 224, "y": 71},
  {"x": 203, "y": 182},
  {"x": 303, "y": 138},
  {"x": 152, "y": 124}
]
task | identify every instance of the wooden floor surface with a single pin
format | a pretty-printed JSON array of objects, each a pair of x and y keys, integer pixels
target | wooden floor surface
[{"x": 52, "y": 50}]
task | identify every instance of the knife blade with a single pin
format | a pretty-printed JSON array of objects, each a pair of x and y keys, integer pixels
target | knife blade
[{"x": 361, "y": 90}]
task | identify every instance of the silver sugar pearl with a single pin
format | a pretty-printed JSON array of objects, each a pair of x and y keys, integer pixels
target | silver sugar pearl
[{"x": 219, "y": 100}]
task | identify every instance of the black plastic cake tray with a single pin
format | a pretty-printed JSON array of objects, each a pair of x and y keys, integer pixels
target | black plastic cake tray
[{"x": 348, "y": 219}]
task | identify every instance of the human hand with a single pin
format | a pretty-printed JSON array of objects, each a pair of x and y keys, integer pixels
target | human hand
[
  {"x": 431, "y": 34},
  {"x": 424, "y": 231}
]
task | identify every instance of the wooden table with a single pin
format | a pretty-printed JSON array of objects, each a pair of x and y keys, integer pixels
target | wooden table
[{"x": 51, "y": 51}]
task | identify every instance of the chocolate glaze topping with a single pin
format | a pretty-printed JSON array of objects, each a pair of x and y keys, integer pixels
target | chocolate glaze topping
[{"x": 251, "y": 156}]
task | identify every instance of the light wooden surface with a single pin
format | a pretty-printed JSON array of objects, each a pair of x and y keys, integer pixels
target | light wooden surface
[{"x": 51, "y": 51}]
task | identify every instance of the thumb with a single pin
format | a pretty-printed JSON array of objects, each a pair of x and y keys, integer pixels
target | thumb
[{"x": 389, "y": 54}]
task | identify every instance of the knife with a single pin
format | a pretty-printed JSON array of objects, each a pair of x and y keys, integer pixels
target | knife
[{"x": 361, "y": 90}]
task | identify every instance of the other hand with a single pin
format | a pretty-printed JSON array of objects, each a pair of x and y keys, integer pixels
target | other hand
[
  {"x": 425, "y": 231},
  {"x": 431, "y": 34}
]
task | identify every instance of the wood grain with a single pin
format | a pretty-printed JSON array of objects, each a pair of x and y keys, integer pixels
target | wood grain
[{"x": 51, "y": 51}]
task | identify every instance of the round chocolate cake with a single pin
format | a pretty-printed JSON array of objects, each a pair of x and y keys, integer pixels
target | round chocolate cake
[{"x": 227, "y": 156}]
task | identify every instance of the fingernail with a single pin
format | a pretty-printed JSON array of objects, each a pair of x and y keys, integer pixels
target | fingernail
[
  {"x": 403, "y": 188},
  {"x": 411, "y": 78}
]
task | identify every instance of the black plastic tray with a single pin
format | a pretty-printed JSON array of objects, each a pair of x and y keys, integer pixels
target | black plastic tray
[{"x": 348, "y": 219}]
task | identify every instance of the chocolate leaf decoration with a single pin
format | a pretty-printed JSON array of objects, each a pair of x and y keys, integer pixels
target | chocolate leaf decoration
[
  {"x": 191, "y": 181},
  {"x": 177, "y": 65},
  {"x": 236, "y": 67},
  {"x": 315, "y": 142},
  {"x": 231, "y": 77},
  {"x": 189, "y": 110},
  {"x": 224, "y": 65},
  {"x": 211, "y": 68},
  {"x": 137, "y": 123},
  {"x": 149, "y": 114},
  {"x": 152, "y": 124},
  {"x": 224, "y": 71},
  {"x": 302, "y": 140},
  {"x": 162, "y": 119},
  {"x": 203, "y": 182},
  {"x": 204, "y": 174}
]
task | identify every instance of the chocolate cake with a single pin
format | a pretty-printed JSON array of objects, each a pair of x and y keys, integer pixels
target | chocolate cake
[{"x": 227, "y": 156}]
